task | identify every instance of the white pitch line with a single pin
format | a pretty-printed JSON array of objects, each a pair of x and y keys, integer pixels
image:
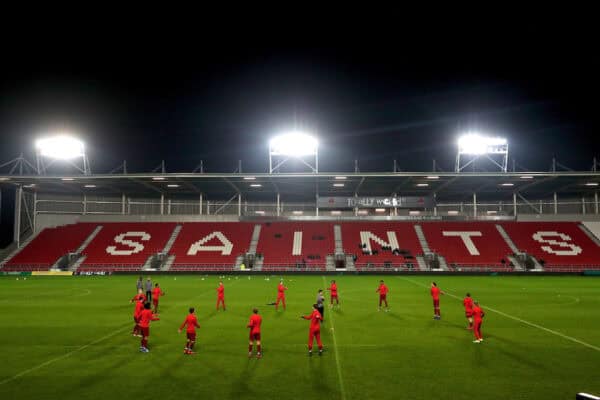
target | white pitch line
[
  {"x": 337, "y": 356},
  {"x": 534, "y": 325},
  {"x": 45, "y": 363}
]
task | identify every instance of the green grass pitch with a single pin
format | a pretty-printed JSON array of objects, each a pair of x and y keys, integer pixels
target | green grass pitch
[{"x": 69, "y": 338}]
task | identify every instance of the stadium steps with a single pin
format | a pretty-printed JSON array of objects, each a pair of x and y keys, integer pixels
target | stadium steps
[
  {"x": 172, "y": 239},
  {"x": 254, "y": 239},
  {"x": 422, "y": 263},
  {"x": 77, "y": 263},
  {"x": 150, "y": 263},
  {"x": 330, "y": 263},
  {"x": 507, "y": 239},
  {"x": 516, "y": 263},
  {"x": 337, "y": 236},
  {"x": 350, "y": 263},
  {"x": 238, "y": 261},
  {"x": 168, "y": 263},
  {"x": 80, "y": 249},
  {"x": 589, "y": 233},
  {"x": 422, "y": 239}
]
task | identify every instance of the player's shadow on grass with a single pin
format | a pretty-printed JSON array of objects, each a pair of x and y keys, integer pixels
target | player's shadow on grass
[
  {"x": 242, "y": 385},
  {"x": 392, "y": 314},
  {"x": 316, "y": 368}
]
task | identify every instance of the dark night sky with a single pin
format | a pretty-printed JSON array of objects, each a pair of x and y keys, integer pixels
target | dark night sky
[{"x": 373, "y": 96}]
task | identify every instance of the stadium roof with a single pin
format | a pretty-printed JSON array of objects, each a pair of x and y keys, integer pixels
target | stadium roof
[{"x": 305, "y": 186}]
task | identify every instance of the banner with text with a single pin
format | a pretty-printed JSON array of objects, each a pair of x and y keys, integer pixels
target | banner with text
[{"x": 376, "y": 202}]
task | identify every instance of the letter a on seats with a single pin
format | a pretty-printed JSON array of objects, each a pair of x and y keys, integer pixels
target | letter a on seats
[{"x": 225, "y": 249}]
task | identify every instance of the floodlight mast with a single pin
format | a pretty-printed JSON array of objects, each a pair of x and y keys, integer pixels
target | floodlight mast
[
  {"x": 473, "y": 146},
  {"x": 62, "y": 148},
  {"x": 294, "y": 145}
]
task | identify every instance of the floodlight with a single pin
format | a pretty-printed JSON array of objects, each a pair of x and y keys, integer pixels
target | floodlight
[
  {"x": 476, "y": 144},
  {"x": 294, "y": 144},
  {"x": 60, "y": 147}
]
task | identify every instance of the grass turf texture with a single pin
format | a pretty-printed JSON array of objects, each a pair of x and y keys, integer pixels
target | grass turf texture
[{"x": 69, "y": 338}]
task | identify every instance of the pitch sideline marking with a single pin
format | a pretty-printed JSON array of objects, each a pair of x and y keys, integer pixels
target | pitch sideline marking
[
  {"x": 534, "y": 325},
  {"x": 337, "y": 356},
  {"x": 53, "y": 360}
]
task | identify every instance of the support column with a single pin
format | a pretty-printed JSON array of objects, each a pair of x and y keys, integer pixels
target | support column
[
  {"x": 169, "y": 207},
  {"x": 240, "y": 201},
  {"x": 434, "y": 198},
  {"x": 555, "y": 203},
  {"x": 84, "y": 204},
  {"x": 34, "y": 211},
  {"x": 208, "y": 207},
  {"x": 162, "y": 204},
  {"x": 514, "y": 204},
  {"x": 317, "y": 206},
  {"x": 596, "y": 202},
  {"x": 356, "y": 208},
  {"x": 475, "y": 205},
  {"x": 200, "y": 203},
  {"x": 123, "y": 203},
  {"x": 583, "y": 205},
  {"x": 278, "y": 204},
  {"x": 17, "y": 227}
]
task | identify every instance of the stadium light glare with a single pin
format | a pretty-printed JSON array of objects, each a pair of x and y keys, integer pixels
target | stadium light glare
[
  {"x": 340, "y": 178},
  {"x": 433, "y": 177},
  {"x": 414, "y": 212},
  {"x": 90, "y": 186},
  {"x": 475, "y": 144},
  {"x": 4, "y": 179},
  {"x": 259, "y": 212},
  {"x": 256, "y": 185},
  {"x": 452, "y": 212},
  {"x": 591, "y": 184},
  {"x": 67, "y": 179},
  {"x": 507, "y": 184},
  {"x": 158, "y": 178},
  {"x": 526, "y": 177},
  {"x": 363, "y": 212},
  {"x": 297, "y": 212},
  {"x": 380, "y": 210},
  {"x": 294, "y": 144},
  {"x": 60, "y": 147},
  {"x": 422, "y": 184},
  {"x": 338, "y": 185},
  {"x": 173, "y": 185},
  {"x": 335, "y": 212},
  {"x": 249, "y": 178}
]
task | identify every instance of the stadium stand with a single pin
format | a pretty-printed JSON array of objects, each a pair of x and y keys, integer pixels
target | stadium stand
[
  {"x": 210, "y": 245},
  {"x": 48, "y": 246},
  {"x": 125, "y": 245},
  {"x": 300, "y": 244},
  {"x": 381, "y": 244},
  {"x": 217, "y": 246},
  {"x": 467, "y": 243},
  {"x": 559, "y": 246}
]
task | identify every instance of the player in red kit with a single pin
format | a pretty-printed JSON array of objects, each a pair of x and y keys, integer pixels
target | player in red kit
[
  {"x": 156, "y": 293},
  {"x": 435, "y": 294},
  {"x": 254, "y": 325},
  {"x": 139, "y": 296},
  {"x": 477, "y": 320},
  {"x": 383, "y": 291},
  {"x": 314, "y": 330},
  {"x": 468, "y": 303},
  {"x": 280, "y": 295},
  {"x": 192, "y": 323},
  {"x": 145, "y": 318},
  {"x": 221, "y": 295},
  {"x": 334, "y": 294},
  {"x": 137, "y": 313}
]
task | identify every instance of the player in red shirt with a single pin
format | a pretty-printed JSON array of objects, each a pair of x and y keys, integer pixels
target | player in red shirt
[
  {"x": 280, "y": 295},
  {"x": 192, "y": 323},
  {"x": 145, "y": 317},
  {"x": 314, "y": 330},
  {"x": 139, "y": 307},
  {"x": 435, "y": 294},
  {"x": 156, "y": 293},
  {"x": 334, "y": 294},
  {"x": 221, "y": 296},
  {"x": 468, "y": 303},
  {"x": 254, "y": 325},
  {"x": 383, "y": 291},
  {"x": 140, "y": 295},
  {"x": 478, "y": 320}
]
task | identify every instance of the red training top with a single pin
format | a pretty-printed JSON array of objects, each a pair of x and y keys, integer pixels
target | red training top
[
  {"x": 145, "y": 317},
  {"x": 281, "y": 289},
  {"x": 435, "y": 292},
  {"x": 139, "y": 296},
  {"x": 468, "y": 303},
  {"x": 333, "y": 289},
  {"x": 139, "y": 307},
  {"x": 478, "y": 314},
  {"x": 254, "y": 324},
  {"x": 221, "y": 291},
  {"x": 156, "y": 293},
  {"x": 192, "y": 323},
  {"x": 383, "y": 290},
  {"x": 315, "y": 320}
]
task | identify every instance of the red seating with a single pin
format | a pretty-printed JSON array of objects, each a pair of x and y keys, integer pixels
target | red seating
[
  {"x": 49, "y": 245},
  {"x": 314, "y": 242},
  {"x": 374, "y": 236},
  {"x": 127, "y": 244},
  {"x": 467, "y": 243},
  {"x": 211, "y": 243},
  {"x": 555, "y": 244}
]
